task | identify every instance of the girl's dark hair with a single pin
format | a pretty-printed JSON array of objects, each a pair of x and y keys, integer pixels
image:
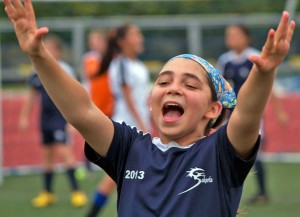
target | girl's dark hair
[
  {"x": 113, "y": 47},
  {"x": 223, "y": 114}
]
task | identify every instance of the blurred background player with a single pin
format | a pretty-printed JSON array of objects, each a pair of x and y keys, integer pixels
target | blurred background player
[
  {"x": 96, "y": 43},
  {"x": 129, "y": 82},
  {"x": 54, "y": 133},
  {"x": 235, "y": 66}
]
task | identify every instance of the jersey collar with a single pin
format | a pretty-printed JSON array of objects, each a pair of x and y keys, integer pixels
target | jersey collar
[{"x": 164, "y": 147}]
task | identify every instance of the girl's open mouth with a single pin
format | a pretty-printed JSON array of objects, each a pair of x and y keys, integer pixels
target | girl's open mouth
[{"x": 172, "y": 112}]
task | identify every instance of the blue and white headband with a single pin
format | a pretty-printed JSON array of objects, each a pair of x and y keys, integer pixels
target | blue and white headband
[{"x": 225, "y": 93}]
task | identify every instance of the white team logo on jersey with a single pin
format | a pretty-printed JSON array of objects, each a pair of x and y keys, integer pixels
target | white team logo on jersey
[{"x": 197, "y": 174}]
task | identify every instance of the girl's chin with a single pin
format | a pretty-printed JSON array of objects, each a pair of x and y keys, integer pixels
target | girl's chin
[{"x": 169, "y": 132}]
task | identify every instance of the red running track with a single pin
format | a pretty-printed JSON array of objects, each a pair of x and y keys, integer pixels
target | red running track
[{"x": 23, "y": 148}]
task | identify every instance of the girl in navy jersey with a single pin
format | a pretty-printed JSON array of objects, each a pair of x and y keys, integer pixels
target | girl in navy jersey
[
  {"x": 185, "y": 172},
  {"x": 234, "y": 64}
]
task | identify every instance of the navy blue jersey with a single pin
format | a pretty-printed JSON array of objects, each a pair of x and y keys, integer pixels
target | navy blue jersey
[
  {"x": 204, "y": 179},
  {"x": 50, "y": 117},
  {"x": 236, "y": 67}
]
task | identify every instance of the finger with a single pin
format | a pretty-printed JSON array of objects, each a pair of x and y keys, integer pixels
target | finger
[
  {"x": 270, "y": 40},
  {"x": 7, "y": 3},
  {"x": 10, "y": 11},
  {"x": 282, "y": 26},
  {"x": 257, "y": 60},
  {"x": 17, "y": 4},
  {"x": 291, "y": 31},
  {"x": 41, "y": 32},
  {"x": 28, "y": 5},
  {"x": 30, "y": 11},
  {"x": 9, "y": 8}
]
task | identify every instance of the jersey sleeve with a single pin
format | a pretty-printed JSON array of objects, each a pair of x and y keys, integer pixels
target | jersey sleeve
[
  {"x": 33, "y": 81},
  {"x": 231, "y": 163},
  {"x": 113, "y": 164},
  {"x": 221, "y": 62}
]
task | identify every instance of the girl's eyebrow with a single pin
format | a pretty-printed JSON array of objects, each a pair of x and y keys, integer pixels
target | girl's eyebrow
[
  {"x": 168, "y": 72},
  {"x": 190, "y": 75},
  {"x": 186, "y": 74}
]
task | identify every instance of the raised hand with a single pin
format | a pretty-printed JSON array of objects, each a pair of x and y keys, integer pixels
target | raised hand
[
  {"x": 24, "y": 22},
  {"x": 276, "y": 47}
]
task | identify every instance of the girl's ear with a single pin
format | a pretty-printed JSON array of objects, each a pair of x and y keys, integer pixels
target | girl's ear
[
  {"x": 214, "y": 111},
  {"x": 149, "y": 102}
]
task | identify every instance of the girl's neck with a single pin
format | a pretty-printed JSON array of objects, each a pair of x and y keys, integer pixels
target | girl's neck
[
  {"x": 129, "y": 55},
  {"x": 240, "y": 51}
]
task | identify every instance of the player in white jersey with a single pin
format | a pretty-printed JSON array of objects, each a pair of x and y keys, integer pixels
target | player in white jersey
[
  {"x": 129, "y": 79},
  {"x": 132, "y": 73}
]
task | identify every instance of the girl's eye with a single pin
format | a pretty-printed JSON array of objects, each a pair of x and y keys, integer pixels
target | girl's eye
[
  {"x": 163, "y": 83},
  {"x": 190, "y": 86}
]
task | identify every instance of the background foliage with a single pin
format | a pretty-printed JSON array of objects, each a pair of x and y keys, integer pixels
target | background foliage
[{"x": 50, "y": 9}]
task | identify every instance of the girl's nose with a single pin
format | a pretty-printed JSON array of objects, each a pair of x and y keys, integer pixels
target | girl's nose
[{"x": 175, "y": 90}]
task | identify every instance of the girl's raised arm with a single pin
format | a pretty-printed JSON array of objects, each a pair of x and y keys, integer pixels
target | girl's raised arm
[
  {"x": 67, "y": 94},
  {"x": 245, "y": 120}
]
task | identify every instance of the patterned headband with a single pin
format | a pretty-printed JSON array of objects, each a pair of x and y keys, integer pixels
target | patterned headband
[{"x": 223, "y": 89}]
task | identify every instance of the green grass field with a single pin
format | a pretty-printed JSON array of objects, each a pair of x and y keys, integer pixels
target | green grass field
[{"x": 17, "y": 191}]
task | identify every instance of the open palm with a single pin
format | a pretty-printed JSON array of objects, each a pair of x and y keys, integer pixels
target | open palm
[
  {"x": 276, "y": 46},
  {"x": 24, "y": 22}
]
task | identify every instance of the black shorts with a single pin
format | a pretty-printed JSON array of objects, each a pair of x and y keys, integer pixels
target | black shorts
[{"x": 50, "y": 137}]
